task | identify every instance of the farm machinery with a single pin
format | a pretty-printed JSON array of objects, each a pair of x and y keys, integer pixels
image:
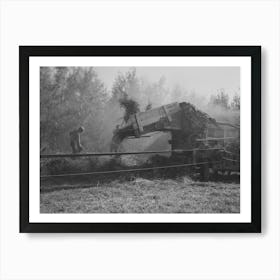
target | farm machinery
[
  {"x": 199, "y": 144},
  {"x": 195, "y": 136}
]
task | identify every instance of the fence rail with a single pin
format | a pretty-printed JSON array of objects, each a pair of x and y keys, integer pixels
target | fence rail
[
  {"x": 229, "y": 159},
  {"x": 126, "y": 170},
  {"x": 124, "y": 153},
  {"x": 133, "y": 169},
  {"x": 214, "y": 139}
]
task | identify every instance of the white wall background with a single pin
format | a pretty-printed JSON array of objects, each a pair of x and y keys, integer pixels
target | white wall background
[{"x": 124, "y": 256}]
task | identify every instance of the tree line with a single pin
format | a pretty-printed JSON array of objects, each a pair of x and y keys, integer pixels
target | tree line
[{"x": 75, "y": 96}]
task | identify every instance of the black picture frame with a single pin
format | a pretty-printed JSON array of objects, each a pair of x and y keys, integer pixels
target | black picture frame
[{"x": 25, "y": 52}]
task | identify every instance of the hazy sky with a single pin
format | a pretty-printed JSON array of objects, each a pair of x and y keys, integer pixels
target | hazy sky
[{"x": 204, "y": 80}]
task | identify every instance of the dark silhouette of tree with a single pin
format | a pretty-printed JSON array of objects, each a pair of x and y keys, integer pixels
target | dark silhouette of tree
[{"x": 130, "y": 106}]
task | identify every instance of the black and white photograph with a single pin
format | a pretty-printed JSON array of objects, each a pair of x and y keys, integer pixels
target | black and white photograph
[{"x": 140, "y": 139}]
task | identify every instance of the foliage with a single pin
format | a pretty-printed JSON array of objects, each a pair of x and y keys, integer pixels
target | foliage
[
  {"x": 235, "y": 104},
  {"x": 156, "y": 94},
  {"x": 126, "y": 85},
  {"x": 68, "y": 165},
  {"x": 70, "y": 97},
  {"x": 129, "y": 86},
  {"x": 75, "y": 96},
  {"x": 125, "y": 89},
  {"x": 220, "y": 100},
  {"x": 130, "y": 106}
]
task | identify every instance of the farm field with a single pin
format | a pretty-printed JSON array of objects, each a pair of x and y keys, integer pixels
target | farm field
[{"x": 182, "y": 195}]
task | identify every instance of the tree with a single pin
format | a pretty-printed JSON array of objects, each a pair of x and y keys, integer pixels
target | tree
[
  {"x": 220, "y": 100},
  {"x": 126, "y": 85},
  {"x": 156, "y": 93},
  {"x": 235, "y": 104},
  {"x": 70, "y": 97},
  {"x": 126, "y": 89},
  {"x": 179, "y": 94}
]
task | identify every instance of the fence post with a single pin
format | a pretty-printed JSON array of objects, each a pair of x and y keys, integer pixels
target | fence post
[{"x": 194, "y": 156}]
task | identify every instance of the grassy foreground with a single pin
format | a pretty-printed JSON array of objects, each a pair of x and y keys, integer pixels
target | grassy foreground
[{"x": 144, "y": 196}]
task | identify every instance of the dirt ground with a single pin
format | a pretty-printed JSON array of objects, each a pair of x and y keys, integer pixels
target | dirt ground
[{"x": 181, "y": 195}]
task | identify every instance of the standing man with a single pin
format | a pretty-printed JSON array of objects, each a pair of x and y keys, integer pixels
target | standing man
[{"x": 75, "y": 140}]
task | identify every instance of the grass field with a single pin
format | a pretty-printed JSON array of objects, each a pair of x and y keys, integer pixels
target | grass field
[{"x": 143, "y": 196}]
